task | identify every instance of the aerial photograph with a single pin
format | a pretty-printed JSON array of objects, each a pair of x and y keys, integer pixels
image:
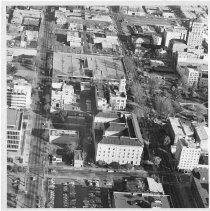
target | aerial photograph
[{"x": 106, "y": 106}]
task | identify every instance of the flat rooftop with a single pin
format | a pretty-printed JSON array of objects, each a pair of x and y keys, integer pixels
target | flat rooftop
[
  {"x": 68, "y": 64},
  {"x": 14, "y": 119},
  {"x": 126, "y": 200},
  {"x": 55, "y": 132},
  {"x": 176, "y": 125},
  {"x": 149, "y": 20}
]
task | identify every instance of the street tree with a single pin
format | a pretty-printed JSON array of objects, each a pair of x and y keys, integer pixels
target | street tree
[
  {"x": 128, "y": 166},
  {"x": 115, "y": 165},
  {"x": 166, "y": 140},
  {"x": 101, "y": 163},
  {"x": 157, "y": 160},
  {"x": 11, "y": 69}
]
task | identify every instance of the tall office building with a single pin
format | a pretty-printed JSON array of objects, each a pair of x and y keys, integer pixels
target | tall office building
[
  {"x": 195, "y": 34},
  {"x": 187, "y": 154},
  {"x": 14, "y": 129},
  {"x": 19, "y": 95}
]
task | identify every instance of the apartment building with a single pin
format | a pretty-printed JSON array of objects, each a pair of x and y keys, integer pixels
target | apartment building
[
  {"x": 176, "y": 32},
  {"x": 119, "y": 149},
  {"x": 187, "y": 154},
  {"x": 195, "y": 35},
  {"x": 189, "y": 74},
  {"x": 19, "y": 95},
  {"x": 118, "y": 96},
  {"x": 177, "y": 130},
  {"x": 14, "y": 129}
]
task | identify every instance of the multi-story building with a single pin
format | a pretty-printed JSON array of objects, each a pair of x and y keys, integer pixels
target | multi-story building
[
  {"x": 187, "y": 154},
  {"x": 195, "y": 35},
  {"x": 189, "y": 74},
  {"x": 19, "y": 95},
  {"x": 118, "y": 97},
  {"x": 119, "y": 149},
  {"x": 14, "y": 129},
  {"x": 78, "y": 158},
  {"x": 176, "y": 32},
  {"x": 62, "y": 95},
  {"x": 201, "y": 136},
  {"x": 63, "y": 136},
  {"x": 203, "y": 78},
  {"x": 177, "y": 130}
]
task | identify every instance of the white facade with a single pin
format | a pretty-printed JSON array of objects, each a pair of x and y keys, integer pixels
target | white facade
[
  {"x": 19, "y": 96},
  {"x": 195, "y": 36},
  {"x": 175, "y": 33},
  {"x": 61, "y": 95},
  {"x": 119, "y": 153},
  {"x": 157, "y": 39},
  {"x": 192, "y": 76},
  {"x": 187, "y": 155},
  {"x": 14, "y": 129},
  {"x": 189, "y": 75},
  {"x": 118, "y": 99},
  {"x": 118, "y": 102}
]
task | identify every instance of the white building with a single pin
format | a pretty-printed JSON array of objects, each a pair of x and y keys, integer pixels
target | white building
[
  {"x": 157, "y": 39},
  {"x": 19, "y": 95},
  {"x": 195, "y": 35},
  {"x": 178, "y": 130},
  {"x": 74, "y": 38},
  {"x": 119, "y": 149},
  {"x": 133, "y": 10},
  {"x": 78, "y": 158},
  {"x": 118, "y": 97},
  {"x": 14, "y": 129},
  {"x": 189, "y": 75},
  {"x": 62, "y": 94},
  {"x": 201, "y": 136},
  {"x": 174, "y": 33},
  {"x": 168, "y": 14},
  {"x": 187, "y": 154}
]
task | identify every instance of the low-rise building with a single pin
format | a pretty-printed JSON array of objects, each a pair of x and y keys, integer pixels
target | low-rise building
[
  {"x": 78, "y": 158},
  {"x": 175, "y": 32},
  {"x": 136, "y": 11},
  {"x": 74, "y": 38},
  {"x": 177, "y": 45},
  {"x": 31, "y": 35},
  {"x": 139, "y": 200},
  {"x": 104, "y": 117},
  {"x": 187, "y": 154},
  {"x": 57, "y": 136},
  {"x": 14, "y": 129},
  {"x": 19, "y": 94},
  {"x": 201, "y": 136}
]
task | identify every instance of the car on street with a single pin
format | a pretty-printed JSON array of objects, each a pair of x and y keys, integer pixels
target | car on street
[{"x": 110, "y": 171}]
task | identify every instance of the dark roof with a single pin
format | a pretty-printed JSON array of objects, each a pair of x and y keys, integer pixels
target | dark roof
[
  {"x": 115, "y": 140},
  {"x": 201, "y": 174},
  {"x": 114, "y": 126}
]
